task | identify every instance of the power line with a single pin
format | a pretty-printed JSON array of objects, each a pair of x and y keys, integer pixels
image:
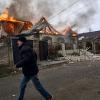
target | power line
[
  {"x": 76, "y": 12},
  {"x": 68, "y": 8},
  {"x": 64, "y": 10},
  {"x": 72, "y": 12}
]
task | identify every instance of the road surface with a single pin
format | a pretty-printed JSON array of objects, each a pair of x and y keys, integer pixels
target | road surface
[{"x": 77, "y": 81}]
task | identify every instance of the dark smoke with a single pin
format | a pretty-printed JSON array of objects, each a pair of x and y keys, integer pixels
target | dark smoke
[
  {"x": 78, "y": 13},
  {"x": 44, "y": 9},
  {"x": 30, "y": 9},
  {"x": 21, "y": 9}
]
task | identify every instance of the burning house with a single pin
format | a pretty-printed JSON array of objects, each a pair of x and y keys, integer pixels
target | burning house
[
  {"x": 45, "y": 38},
  {"x": 71, "y": 38},
  {"x": 42, "y": 33},
  {"x": 10, "y": 26}
]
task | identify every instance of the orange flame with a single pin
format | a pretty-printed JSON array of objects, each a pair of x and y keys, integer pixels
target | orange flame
[
  {"x": 67, "y": 30},
  {"x": 5, "y": 16},
  {"x": 13, "y": 26}
]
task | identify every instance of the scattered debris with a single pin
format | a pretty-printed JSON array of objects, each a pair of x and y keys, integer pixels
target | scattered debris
[{"x": 13, "y": 95}]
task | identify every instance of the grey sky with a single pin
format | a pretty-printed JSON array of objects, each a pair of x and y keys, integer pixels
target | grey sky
[{"x": 96, "y": 24}]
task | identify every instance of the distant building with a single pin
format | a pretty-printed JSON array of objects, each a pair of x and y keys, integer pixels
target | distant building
[{"x": 90, "y": 40}]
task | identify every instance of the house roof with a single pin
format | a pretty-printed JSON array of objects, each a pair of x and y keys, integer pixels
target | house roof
[
  {"x": 43, "y": 27},
  {"x": 93, "y": 34}
]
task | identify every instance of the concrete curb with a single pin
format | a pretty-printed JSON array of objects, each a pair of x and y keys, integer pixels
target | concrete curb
[{"x": 52, "y": 64}]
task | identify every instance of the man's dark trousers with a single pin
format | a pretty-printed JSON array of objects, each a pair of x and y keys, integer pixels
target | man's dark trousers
[{"x": 37, "y": 85}]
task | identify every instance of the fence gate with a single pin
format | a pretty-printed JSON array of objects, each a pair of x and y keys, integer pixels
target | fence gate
[{"x": 43, "y": 50}]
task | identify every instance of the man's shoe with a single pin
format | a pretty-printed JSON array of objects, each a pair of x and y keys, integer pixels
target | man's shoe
[{"x": 50, "y": 98}]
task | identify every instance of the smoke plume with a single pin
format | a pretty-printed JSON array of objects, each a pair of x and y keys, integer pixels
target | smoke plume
[
  {"x": 21, "y": 9},
  {"x": 77, "y": 13}
]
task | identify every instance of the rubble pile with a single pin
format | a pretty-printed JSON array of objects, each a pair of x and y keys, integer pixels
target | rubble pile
[{"x": 84, "y": 55}]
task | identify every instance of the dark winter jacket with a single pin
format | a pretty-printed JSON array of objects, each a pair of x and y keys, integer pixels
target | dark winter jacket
[{"x": 28, "y": 61}]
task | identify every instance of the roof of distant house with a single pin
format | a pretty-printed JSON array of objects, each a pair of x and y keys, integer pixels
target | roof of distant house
[{"x": 90, "y": 34}]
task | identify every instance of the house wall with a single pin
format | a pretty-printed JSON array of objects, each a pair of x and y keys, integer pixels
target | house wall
[{"x": 93, "y": 45}]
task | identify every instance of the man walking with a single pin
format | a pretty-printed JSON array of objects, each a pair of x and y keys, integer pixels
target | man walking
[{"x": 28, "y": 62}]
